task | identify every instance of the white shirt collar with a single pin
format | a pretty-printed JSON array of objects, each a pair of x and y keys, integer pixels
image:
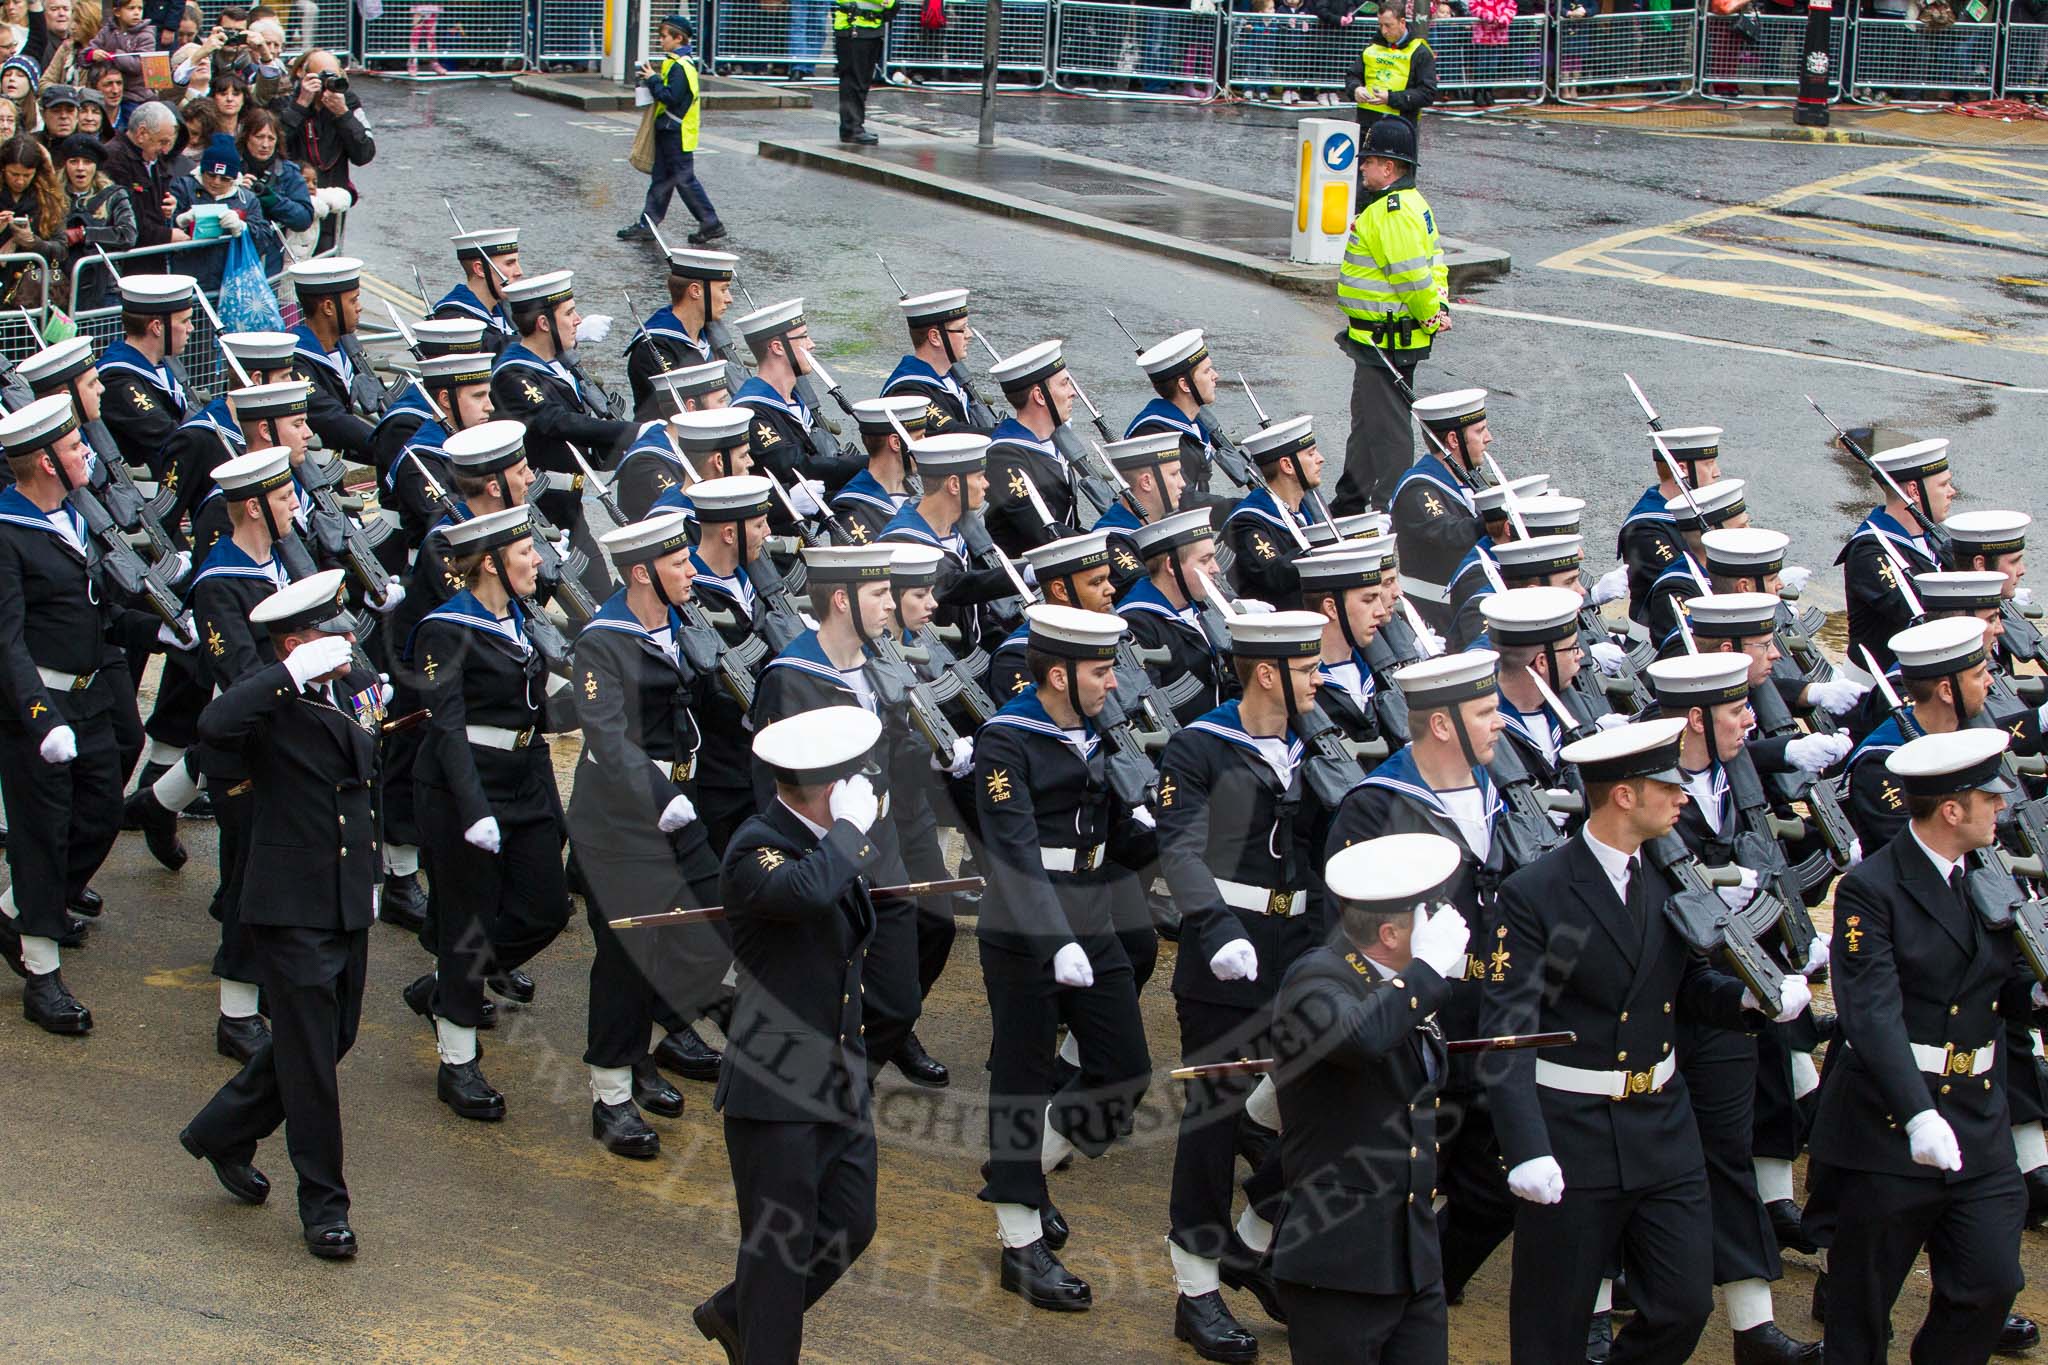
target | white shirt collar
[
  {"x": 1616, "y": 864},
  {"x": 1943, "y": 867},
  {"x": 817, "y": 831}
]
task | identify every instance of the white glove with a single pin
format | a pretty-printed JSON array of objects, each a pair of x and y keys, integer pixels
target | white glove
[
  {"x": 1816, "y": 956},
  {"x": 59, "y": 746},
  {"x": 804, "y": 495},
  {"x": 1252, "y": 606},
  {"x": 2039, "y": 995},
  {"x": 394, "y": 593},
  {"x": 1836, "y": 696},
  {"x": 853, "y": 800},
  {"x": 1815, "y": 754},
  {"x": 1793, "y": 998},
  {"x": 1143, "y": 815},
  {"x": 1933, "y": 1142},
  {"x": 484, "y": 835},
  {"x": 1236, "y": 960},
  {"x": 1440, "y": 939},
  {"x": 174, "y": 565},
  {"x": 1611, "y": 586},
  {"x": 1540, "y": 1180},
  {"x": 317, "y": 658},
  {"x": 184, "y": 220},
  {"x": 963, "y": 759},
  {"x": 1793, "y": 579},
  {"x": 165, "y": 635},
  {"x": 1071, "y": 967},
  {"x": 1750, "y": 881},
  {"x": 1855, "y": 852},
  {"x": 1433, "y": 642},
  {"x": 2023, "y": 597},
  {"x": 1610, "y": 720},
  {"x": 1608, "y": 657},
  {"x": 593, "y": 328},
  {"x": 677, "y": 813},
  {"x": 232, "y": 224},
  {"x": 1734, "y": 897}
]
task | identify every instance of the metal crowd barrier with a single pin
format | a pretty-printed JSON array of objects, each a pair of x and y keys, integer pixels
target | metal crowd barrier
[
  {"x": 462, "y": 30},
  {"x": 1655, "y": 51},
  {"x": 570, "y": 31},
  {"x": 2026, "y": 60},
  {"x": 1770, "y": 60},
  {"x": 21, "y": 329},
  {"x": 955, "y": 54},
  {"x": 1136, "y": 50},
  {"x": 1279, "y": 52},
  {"x": 1465, "y": 64},
  {"x": 1901, "y": 55},
  {"x": 775, "y": 39}
]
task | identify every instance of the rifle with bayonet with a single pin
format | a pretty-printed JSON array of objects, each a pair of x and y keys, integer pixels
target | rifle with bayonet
[
  {"x": 1775, "y": 720},
  {"x": 1937, "y": 535},
  {"x": 979, "y": 414},
  {"x": 1711, "y": 927},
  {"x": 949, "y": 679}
]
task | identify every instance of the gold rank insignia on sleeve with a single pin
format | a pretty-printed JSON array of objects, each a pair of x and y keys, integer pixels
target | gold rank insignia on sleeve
[
  {"x": 171, "y": 477},
  {"x": 432, "y": 665},
  {"x": 1264, "y": 547},
  {"x": 1498, "y": 961},
  {"x": 1017, "y": 485},
  {"x": 533, "y": 393},
  {"x": 857, "y": 531},
  {"x": 1885, "y": 574},
  {"x": 1358, "y": 964},
  {"x": 664, "y": 482},
  {"x": 1167, "y": 790},
  {"x": 453, "y": 579},
  {"x": 933, "y": 413},
  {"x": 1853, "y": 936},
  {"x": 1019, "y": 685},
  {"x": 141, "y": 400},
  {"x": 589, "y": 686},
  {"x": 1475, "y": 968},
  {"x": 764, "y": 434},
  {"x": 1664, "y": 551},
  {"x": 1889, "y": 794},
  {"x": 998, "y": 786},
  {"x": 770, "y": 858},
  {"x": 1126, "y": 561},
  {"x": 214, "y": 644},
  {"x": 1431, "y": 505},
  {"x": 36, "y": 708}
]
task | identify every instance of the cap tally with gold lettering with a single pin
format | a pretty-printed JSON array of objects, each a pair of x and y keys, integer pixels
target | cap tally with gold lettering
[
  {"x": 486, "y": 447},
  {"x": 490, "y": 530},
  {"x": 324, "y": 275},
  {"x": 691, "y": 263},
  {"x": 1961, "y": 590},
  {"x": 37, "y": 425},
  {"x": 654, "y": 538},
  {"x": 1070, "y": 633},
  {"x": 935, "y": 309},
  {"x": 1015, "y": 374},
  {"x": 1939, "y": 649},
  {"x": 763, "y": 325},
  {"x": 1707, "y": 680},
  {"x": 1531, "y": 616},
  {"x": 157, "y": 295},
  {"x": 1072, "y": 555},
  {"x": 1275, "y": 443},
  {"x": 848, "y": 563},
  {"x": 1745, "y": 552},
  {"x": 1719, "y": 503},
  {"x": 1988, "y": 533},
  {"x": 739, "y": 498},
  {"x": 1732, "y": 615},
  {"x": 57, "y": 365},
  {"x": 261, "y": 401},
  {"x": 254, "y": 474},
  {"x": 915, "y": 566},
  {"x": 1449, "y": 679},
  {"x": 1277, "y": 635},
  {"x": 1170, "y": 533},
  {"x": 1174, "y": 356},
  {"x": 710, "y": 431},
  {"x": 955, "y": 452},
  {"x": 1451, "y": 411}
]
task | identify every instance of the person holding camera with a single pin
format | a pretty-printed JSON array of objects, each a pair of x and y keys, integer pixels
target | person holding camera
[
  {"x": 324, "y": 127},
  {"x": 674, "y": 86}
]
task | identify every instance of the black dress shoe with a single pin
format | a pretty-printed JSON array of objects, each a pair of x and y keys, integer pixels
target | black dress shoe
[
  {"x": 623, "y": 1132},
  {"x": 1034, "y": 1274},
  {"x": 487, "y": 1015},
  {"x": 704, "y": 235},
  {"x": 1599, "y": 1338},
  {"x": 74, "y": 932},
  {"x": 688, "y": 1056},
  {"x": 240, "y": 1039},
  {"x": 1052, "y": 1226},
  {"x": 49, "y": 1004},
  {"x": 919, "y": 1067},
  {"x": 2018, "y": 1336},
  {"x": 636, "y": 231},
  {"x": 159, "y": 828},
  {"x": 652, "y": 1092},
  {"x": 1204, "y": 1322},
  {"x": 200, "y": 809},
  {"x": 863, "y": 138},
  {"x": 1242, "y": 1268},
  {"x": 1622, "y": 1300},
  {"x": 464, "y": 1089},
  {"x": 1787, "y": 1224},
  {"x": 419, "y": 995},
  {"x": 1766, "y": 1345},
  {"x": 2037, "y": 1196},
  {"x": 88, "y": 904},
  {"x": 403, "y": 903},
  {"x": 337, "y": 1243},
  {"x": 514, "y": 985},
  {"x": 130, "y": 813},
  {"x": 238, "y": 1178},
  {"x": 713, "y": 1327}
]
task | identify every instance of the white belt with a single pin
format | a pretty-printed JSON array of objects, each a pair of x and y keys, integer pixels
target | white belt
[
  {"x": 1071, "y": 859},
  {"x": 65, "y": 682},
  {"x": 1615, "y": 1085},
  {"x": 1262, "y": 900},
  {"x": 1427, "y": 591},
  {"x": 498, "y": 737},
  {"x": 1950, "y": 1060},
  {"x": 680, "y": 771}
]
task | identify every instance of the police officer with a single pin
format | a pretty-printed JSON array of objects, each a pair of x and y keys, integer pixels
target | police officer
[
  {"x": 489, "y": 258},
  {"x": 1058, "y": 841},
  {"x": 871, "y": 499},
  {"x": 857, "y": 48},
  {"x": 1436, "y": 521},
  {"x": 484, "y": 792},
  {"x": 1396, "y": 76},
  {"x": 1023, "y": 460},
  {"x": 1361, "y": 1057},
  {"x": 307, "y": 728},
  {"x": 936, "y": 368},
  {"x": 1394, "y": 289},
  {"x": 1648, "y": 542},
  {"x": 678, "y": 336},
  {"x": 1268, "y": 526},
  {"x": 1891, "y": 535},
  {"x": 146, "y": 397},
  {"x": 1183, "y": 376},
  {"x": 795, "y": 1093},
  {"x": 329, "y": 357},
  {"x": 1165, "y": 609}
]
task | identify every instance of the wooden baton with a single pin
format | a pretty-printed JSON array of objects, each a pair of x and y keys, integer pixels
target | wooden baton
[
  {"x": 911, "y": 891},
  {"x": 1261, "y": 1065}
]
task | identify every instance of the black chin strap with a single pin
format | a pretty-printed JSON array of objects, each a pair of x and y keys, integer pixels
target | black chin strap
[{"x": 1464, "y": 738}]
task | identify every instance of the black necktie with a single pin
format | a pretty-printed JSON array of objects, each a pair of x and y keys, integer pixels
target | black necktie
[
  {"x": 1955, "y": 884},
  {"x": 1628, "y": 885}
]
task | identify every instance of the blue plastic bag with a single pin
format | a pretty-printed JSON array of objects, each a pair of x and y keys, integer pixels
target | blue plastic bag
[{"x": 247, "y": 302}]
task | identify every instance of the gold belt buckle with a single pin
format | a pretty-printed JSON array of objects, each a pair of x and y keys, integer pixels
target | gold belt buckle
[
  {"x": 525, "y": 737},
  {"x": 1960, "y": 1063},
  {"x": 81, "y": 681},
  {"x": 682, "y": 771},
  {"x": 1279, "y": 902},
  {"x": 1638, "y": 1084},
  {"x": 1086, "y": 858}
]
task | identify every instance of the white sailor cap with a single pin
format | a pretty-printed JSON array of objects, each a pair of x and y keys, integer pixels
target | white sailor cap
[
  {"x": 1963, "y": 590},
  {"x": 1626, "y": 753},
  {"x": 154, "y": 294},
  {"x": 1732, "y": 615},
  {"x": 1719, "y": 503},
  {"x": 436, "y": 336},
  {"x": 763, "y": 325},
  {"x": 1342, "y": 566},
  {"x": 1538, "y": 556},
  {"x": 281, "y": 399},
  {"x": 254, "y": 474},
  {"x": 692, "y": 381},
  {"x": 1070, "y": 633},
  {"x": 1493, "y": 502},
  {"x": 1394, "y": 869},
  {"x": 1174, "y": 356},
  {"x": 1553, "y": 514},
  {"x": 325, "y": 275},
  {"x": 456, "y": 368},
  {"x": 710, "y": 431},
  {"x": 269, "y": 350},
  {"x": 1915, "y": 459},
  {"x": 1022, "y": 369},
  {"x": 815, "y": 748},
  {"x": 1361, "y": 524},
  {"x": 1989, "y": 533},
  {"x": 1531, "y": 616},
  {"x": 873, "y": 414},
  {"x": 738, "y": 498},
  {"x": 544, "y": 290},
  {"x": 1451, "y": 411},
  {"x": 953, "y": 452},
  {"x": 312, "y": 603},
  {"x": 1939, "y": 649},
  {"x": 915, "y": 566},
  {"x": 474, "y": 246},
  {"x": 59, "y": 364},
  {"x": 1072, "y": 555},
  {"x": 693, "y": 263},
  {"x": 1687, "y": 445},
  {"x": 848, "y": 563},
  {"x": 489, "y": 530},
  {"x": 1272, "y": 444},
  {"x": 656, "y": 537},
  {"x": 37, "y": 425},
  {"x": 930, "y": 310},
  {"x": 1172, "y": 532},
  {"x": 1953, "y": 763},
  {"x": 486, "y": 447},
  {"x": 1277, "y": 635},
  {"x": 1745, "y": 551},
  {"x": 1449, "y": 679},
  {"x": 1138, "y": 453},
  {"x": 1708, "y": 680}
]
